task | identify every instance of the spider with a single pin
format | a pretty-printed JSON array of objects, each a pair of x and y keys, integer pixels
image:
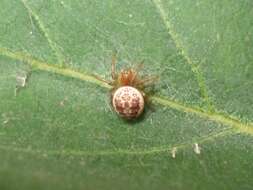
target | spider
[{"x": 128, "y": 92}]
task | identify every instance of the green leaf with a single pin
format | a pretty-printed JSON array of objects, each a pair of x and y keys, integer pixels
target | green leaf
[{"x": 57, "y": 128}]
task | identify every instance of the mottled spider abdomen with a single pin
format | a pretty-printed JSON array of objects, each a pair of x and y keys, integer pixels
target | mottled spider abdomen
[{"x": 128, "y": 102}]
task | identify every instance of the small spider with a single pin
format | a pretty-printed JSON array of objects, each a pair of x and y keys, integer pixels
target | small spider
[{"x": 128, "y": 93}]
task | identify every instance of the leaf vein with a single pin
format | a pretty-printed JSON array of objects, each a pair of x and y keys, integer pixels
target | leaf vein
[
  {"x": 153, "y": 150},
  {"x": 42, "y": 28},
  {"x": 179, "y": 45},
  {"x": 216, "y": 116}
]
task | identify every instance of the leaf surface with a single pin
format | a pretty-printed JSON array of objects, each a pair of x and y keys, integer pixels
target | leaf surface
[{"x": 57, "y": 129}]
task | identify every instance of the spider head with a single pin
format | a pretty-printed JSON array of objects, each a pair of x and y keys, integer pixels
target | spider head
[{"x": 127, "y": 77}]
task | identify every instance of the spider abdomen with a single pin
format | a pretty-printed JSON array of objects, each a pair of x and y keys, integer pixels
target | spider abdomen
[{"x": 128, "y": 102}]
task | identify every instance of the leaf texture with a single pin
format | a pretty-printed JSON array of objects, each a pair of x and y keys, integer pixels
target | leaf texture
[{"x": 57, "y": 128}]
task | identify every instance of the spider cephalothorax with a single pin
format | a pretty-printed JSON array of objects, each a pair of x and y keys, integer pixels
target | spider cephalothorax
[{"x": 128, "y": 94}]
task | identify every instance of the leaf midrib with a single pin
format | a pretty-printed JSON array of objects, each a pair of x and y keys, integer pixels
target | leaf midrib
[
  {"x": 237, "y": 126},
  {"x": 216, "y": 116},
  {"x": 195, "y": 69},
  {"x": 211, "y": 114}
]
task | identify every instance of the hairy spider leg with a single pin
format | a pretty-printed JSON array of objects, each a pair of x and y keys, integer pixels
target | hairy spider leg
[
  {"x": 137, "y": 70},
  {"x": 113, "y": 71},
  {"x": 139, "y": 66},
  {"x": 148, "y": 80},
  {"x": 102, "y": 80}
]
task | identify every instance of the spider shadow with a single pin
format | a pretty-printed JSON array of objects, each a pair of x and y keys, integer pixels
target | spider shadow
[{"x": 136, "y": 120}]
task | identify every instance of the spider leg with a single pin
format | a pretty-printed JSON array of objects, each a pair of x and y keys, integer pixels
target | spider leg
[
  {"x": 148, "y": 80},
  {"x": 139, "y": 66},
  {"x": 102, "y": 80},
  {"x": 136, "y": 70},
  {"x": 113, "y": 71}
]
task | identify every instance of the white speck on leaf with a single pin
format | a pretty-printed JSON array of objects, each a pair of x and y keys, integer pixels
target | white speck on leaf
[
  {"x": 21, "y": 80},
  {"x": 63, "y": 4},
  {"x": 196, "y": 148},
  {"x": 173, "y": 152},
  {"x": 6, "y": 118},
  {"x": 6, "y": 121},
  {"x": 130, "y": 15},
  {"x": 62, "y": 103}
]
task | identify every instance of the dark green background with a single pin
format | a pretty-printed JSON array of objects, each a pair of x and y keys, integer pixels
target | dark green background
[{"x": 59, "y": 131}]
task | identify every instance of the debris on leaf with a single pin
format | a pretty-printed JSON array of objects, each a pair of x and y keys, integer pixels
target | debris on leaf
[
  {"x": 173, "y": 152},
  {"x": 196, "y": 148},
  {"x": 21, "y": 80}
]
